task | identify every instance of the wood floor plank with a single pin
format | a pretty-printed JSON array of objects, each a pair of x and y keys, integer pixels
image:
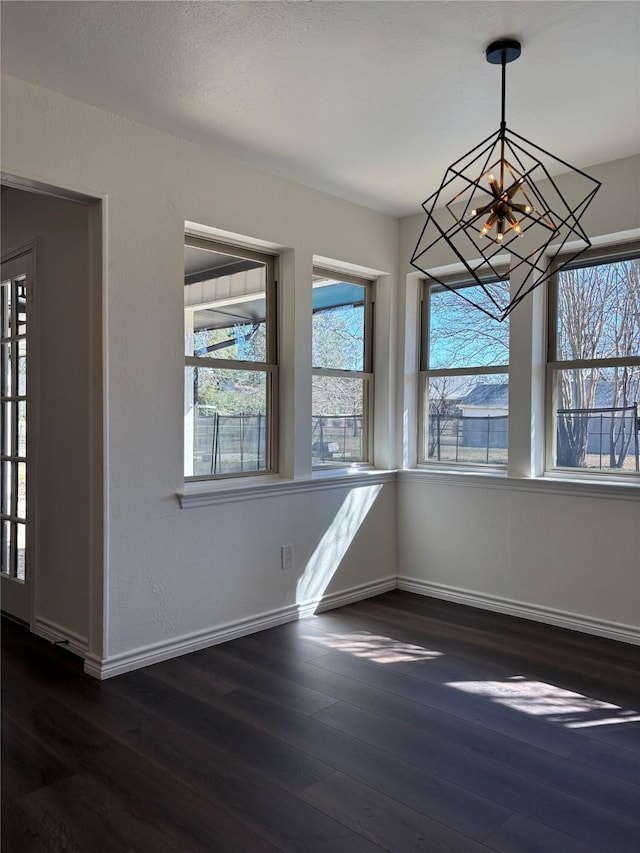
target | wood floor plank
[
  {"x": 243, "y": 793},
  {"x": 190, "y": 679},
  {"x": 458, "y": 703},
  {"x": 78, "y": 814},
  {"x": 522, "y": 835},
  {"x": 283, "y": 818},
  {"x": 618, "y": 684},
  {"x": 515, "y": 791},
  {"x": 26, "y": 763},
  {"x": 388, "y": 823},
  {"x": 509, "y": 752},
  {"x": 396, "y": 723},
  {"x": 614, "y": 677},
  {"x": 284, "y": 639},
  {"x": 188, "y": 819},
  {"x": 609, "y": 761},
  {"x": 216, "y": 660},
  {"x": 431, "y": 795},
  {"x": 453, "y": 613},
  {"x": 619, "y": 735},
  {"x": 290, "y": 767}
]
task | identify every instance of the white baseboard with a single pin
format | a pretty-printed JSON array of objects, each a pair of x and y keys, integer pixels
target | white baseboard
[
  {"x": 346, "y": 596},
  {"x": 165, "y": 649},
  {"x": 55, "y": 633},
  {"x": 549, "y": 615}
]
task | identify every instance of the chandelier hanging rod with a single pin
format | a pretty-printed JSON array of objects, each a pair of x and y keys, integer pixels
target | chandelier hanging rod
[{"x": 500, "y": 53}]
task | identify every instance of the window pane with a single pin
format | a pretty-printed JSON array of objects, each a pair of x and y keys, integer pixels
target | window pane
[
  {"x": 597, "y": 418},
  {"x": 467, "y": 419},
  {"x": 227, "y": 420},
  {"x": 225, "y": 306},
  {"x": 338, "y": 324},
  {"x": 22, "y": 428},
  {"x": 599, "y": 311},
  {"x": 7, "y": 536},
  {"x": 6, "y": 493},
  {"x": 5, "y": 308},
  {"x": 6, "y": 380},
  {"x": 7, "y": 429},
  {"x": 338, "y": 410},
  {"x": 22, "y": 490},
  {"x": 21, "y": 539},
  {"x": 462, "y": 336},
  {"x": 22, "y": 367}
]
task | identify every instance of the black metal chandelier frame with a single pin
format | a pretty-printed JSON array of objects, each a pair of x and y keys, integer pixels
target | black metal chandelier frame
[{"x": 488, "y": 220}]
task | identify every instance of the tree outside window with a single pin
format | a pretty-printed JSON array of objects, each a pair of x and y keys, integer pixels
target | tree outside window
[
  {"x": 465, "y": 397},
  {"x": 342, "y": 380},
  {"x": 230, "y": 361},
  {"x": 594, "y": 337}
]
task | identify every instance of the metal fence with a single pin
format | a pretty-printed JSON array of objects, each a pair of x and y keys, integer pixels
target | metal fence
[
  {"x": 226, "y": 444},
  {"x": 458, "y": 438},
  {"x": 337, "y": 438},
  {"x": 229, "y": 444},
  {"x": 612, "y": 435}
]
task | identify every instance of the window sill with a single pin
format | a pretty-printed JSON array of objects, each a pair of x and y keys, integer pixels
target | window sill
[
  {"x": 550, "y": 484},
  {"x": 207, "y": 493}
]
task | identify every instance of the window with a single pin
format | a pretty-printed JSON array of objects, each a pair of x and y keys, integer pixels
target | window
[
  {"x": 342, "y": 391},
  {"x": 594, "y": 365},
  {"x": 231, "y": 372},
  {"x": 464, "y": 407}
]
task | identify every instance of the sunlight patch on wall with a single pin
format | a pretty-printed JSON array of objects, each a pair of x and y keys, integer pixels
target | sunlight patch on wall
[
  {"x": 326, "y": 559},
  {"x": 374, "y": 647},
  {"x": 547, "y": 700}
]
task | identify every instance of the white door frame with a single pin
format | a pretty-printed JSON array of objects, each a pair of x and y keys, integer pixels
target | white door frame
[{"x": 95, "y": 648}]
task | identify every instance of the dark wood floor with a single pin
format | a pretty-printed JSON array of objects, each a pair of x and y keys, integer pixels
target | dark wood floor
[{"x": 401, "y": 723}]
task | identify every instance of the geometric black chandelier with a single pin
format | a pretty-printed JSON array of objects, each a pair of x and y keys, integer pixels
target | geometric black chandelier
[{"x": 490, "y": 215}]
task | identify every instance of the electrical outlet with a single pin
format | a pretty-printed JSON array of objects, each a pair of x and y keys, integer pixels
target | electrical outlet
[{"x": 287, "y": 556}]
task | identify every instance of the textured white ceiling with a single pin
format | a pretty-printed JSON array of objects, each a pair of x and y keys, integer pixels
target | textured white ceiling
[{"x": 369, "y": 101}]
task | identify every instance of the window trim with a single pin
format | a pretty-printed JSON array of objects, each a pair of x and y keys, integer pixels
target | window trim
[
  {"x": 366, "y": 375},
  {"x": 594, "y": 257},
  {"x": 426, "y": 372},
  {"x": 270, "y": 367}
]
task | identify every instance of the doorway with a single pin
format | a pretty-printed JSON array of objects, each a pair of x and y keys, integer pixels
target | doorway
[
  {"x": 52, "y": 486},
  {"x": 16, "y": 283}
]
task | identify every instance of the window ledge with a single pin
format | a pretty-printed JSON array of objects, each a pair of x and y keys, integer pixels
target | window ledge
[
  {"x": 553, "y": 485},
  {"x": 207, "y": 493}
]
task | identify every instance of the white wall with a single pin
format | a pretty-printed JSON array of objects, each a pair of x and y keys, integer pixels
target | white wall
[
  {"x": 175, "y": 577},
  {"x": 61, "y": 421},
  {"x": 569, "y": 555},
  {"x": 569, "y": 559},
  {"x": 170, "y": 571}
]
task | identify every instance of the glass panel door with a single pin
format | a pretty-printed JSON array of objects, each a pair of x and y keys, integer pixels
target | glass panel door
[{"x": 14, "y": 298}]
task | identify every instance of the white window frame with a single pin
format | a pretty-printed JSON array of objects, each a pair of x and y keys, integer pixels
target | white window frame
[
  {"x": 268, "y": 367},
  {"x": 426, "y": 373},
  {"x": 366, "y": 375},
  {"x": 603, "y": 255}
]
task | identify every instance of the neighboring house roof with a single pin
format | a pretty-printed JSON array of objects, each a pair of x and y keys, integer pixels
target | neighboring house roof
[
  {"x": 496, "y": 396},
  {"x": 487, "y": 396}
]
